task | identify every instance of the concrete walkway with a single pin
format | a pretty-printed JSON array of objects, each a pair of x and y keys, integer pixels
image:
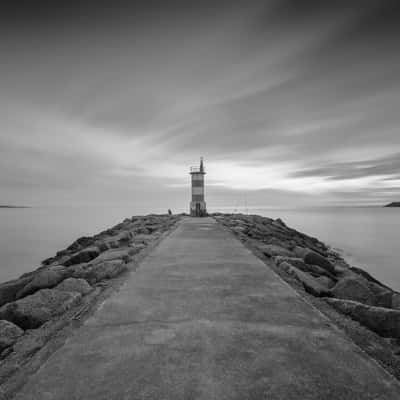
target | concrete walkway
[{"x": 203, "y": 318}]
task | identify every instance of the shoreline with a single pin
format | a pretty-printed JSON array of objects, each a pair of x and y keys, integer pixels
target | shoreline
[{"x": 40, "y": 308}]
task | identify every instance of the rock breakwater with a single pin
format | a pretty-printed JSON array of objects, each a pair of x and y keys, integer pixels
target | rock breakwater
[
  {"x": 31, "y": 305},
  {"x": 310, "y": 265}
]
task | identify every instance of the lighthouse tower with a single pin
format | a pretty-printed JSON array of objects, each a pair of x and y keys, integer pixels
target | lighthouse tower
[{"x": 198, "y": 205}]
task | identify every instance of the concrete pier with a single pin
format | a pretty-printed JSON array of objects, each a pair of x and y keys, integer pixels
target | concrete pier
[{"x": 203, "y": 318}]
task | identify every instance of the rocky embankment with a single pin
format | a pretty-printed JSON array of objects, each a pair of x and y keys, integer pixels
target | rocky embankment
[
  {"x": 308, "y": 264},
  {"x": 32, "y": 305}
]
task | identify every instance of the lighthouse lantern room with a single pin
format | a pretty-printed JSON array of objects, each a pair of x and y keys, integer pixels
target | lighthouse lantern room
[{"x": 198, "y": 205}]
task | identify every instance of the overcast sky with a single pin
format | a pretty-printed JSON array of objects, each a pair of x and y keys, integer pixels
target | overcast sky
[{"x": 290, "y": 102}]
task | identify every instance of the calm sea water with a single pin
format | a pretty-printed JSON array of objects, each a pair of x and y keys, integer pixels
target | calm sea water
[
  {"x": 29, "y": 235},
  {"x": 367, "y": 236}
]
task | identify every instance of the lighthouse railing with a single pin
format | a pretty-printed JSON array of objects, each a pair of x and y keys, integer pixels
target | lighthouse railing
[{"x": 196, "y": 169}]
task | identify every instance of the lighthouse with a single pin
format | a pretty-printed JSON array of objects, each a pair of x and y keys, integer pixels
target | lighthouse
[{"x": 198, "y": 205}]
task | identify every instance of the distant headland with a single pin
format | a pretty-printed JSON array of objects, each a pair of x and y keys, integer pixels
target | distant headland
[
  {"x": 393, "y": 204},
  {"x": 9, "y": 206}
]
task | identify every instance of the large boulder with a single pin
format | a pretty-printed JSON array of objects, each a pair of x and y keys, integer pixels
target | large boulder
[
  {"x": 9, "y": 290},
  {"x": 384, "y": 299},
  {"x": 279, "y": 222},
  {"x": 271, "y": 250},
  {"x": 34, "y": 310},
  {"x": 74, "y": 285},
  {"x": 354, "y": 288},
  {"x": 143, "y": 238},
  {"x": 342, "y": 270},
  {"x": 94, "y": 273},
  {"x": 112, "y": 242},
  {"x": 317, "y": 271},
  {"x": 136, "y": 248},
  {"x": 103, "y": 245},
  {"x": 295, "y": 261},
  {"x": 325, "y": 281},
  {"x": 238, "y": 222},
  {"x": 385, "y": 322},
  {"x": 310, "y": 284},
  {"x": 154, "y": 227},
  {"x": 367, "y": 276},
  {"x": 383, "y": 295},
  {"x": 396, "y": 300},
  {"x": 80, "y": 271},
  {"x": 9, "y": 334},
  {"x": 64, "y": 255},
  {"x": 276, "y": 241},
  {"x": 115, "y": 254},
  {"x": 314, "y": 258},
  {"x": 300, "y": 251},
  {"x": 42, "y": 280},
  {"x": 313, "y": 270},
  {"x": 82, "y": 256},
  {"x": 239, "y": 230},
  {"x": 106, "y": 270},
  {"x": 79, "y": 244},
  {"x": 141, "y": 230}
]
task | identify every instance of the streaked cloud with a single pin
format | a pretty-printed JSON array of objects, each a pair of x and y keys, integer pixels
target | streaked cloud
[{"x": 294, "y": 100}]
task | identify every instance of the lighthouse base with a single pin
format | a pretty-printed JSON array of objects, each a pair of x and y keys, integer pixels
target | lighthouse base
[{"x": 198, "y": 209}]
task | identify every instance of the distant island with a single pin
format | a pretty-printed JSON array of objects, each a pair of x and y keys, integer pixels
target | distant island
[
  {"x": 394, "y": 204},
  {"x": 8, "y": 206}
]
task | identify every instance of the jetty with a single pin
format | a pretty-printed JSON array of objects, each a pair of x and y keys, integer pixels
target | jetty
[{"x": 203, "y": 318}]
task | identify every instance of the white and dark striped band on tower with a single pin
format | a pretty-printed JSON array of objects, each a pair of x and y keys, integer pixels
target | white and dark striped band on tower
[{"x": 198, "y": 205}]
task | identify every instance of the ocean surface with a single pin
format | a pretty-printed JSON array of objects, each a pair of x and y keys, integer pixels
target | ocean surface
[{"x": 368, "y": 237}]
